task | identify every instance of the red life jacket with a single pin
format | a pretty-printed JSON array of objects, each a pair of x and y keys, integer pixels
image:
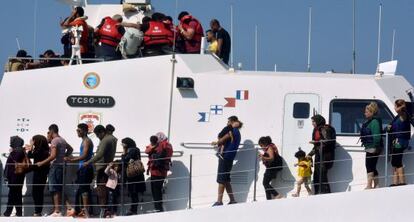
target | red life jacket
[
  {"x": 198, "y": 32},
  {"x": 109, "y": 32},
  {"x": 158, "y": 34}
]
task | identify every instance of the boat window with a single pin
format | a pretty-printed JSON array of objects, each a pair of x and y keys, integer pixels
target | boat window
[
  {"x": 301, "y": 110},
  {"x": 347, "y": 116}
]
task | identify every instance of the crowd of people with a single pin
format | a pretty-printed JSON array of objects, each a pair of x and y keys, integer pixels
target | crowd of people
[
  {"x": 50, "y": 154},
  {"x": 120, "y": 37}
]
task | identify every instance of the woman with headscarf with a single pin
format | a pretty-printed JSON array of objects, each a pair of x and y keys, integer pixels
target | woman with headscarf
[
  {"x": 160, "y": 153},
  {"x": 39, "y": 151},
  {"x": 136, "y": 184},
  {"x": 323, "y": 140},
  {"x": 15, "y": 181}
]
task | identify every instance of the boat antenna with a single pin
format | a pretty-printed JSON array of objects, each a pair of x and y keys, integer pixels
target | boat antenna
[
  {"x": 255, "y": 48},
  {"x": 393, "y": 45},
  {"x": 309, "y": 39},
  {"x": 35, "y": 27},
  {"x": 379, "y": 34},
  {"x": 18, "y": 43},
  {"x": 173, "y": 62},
  {"x": 231, "y": 37},
  {"x": 353, "y": 38}
]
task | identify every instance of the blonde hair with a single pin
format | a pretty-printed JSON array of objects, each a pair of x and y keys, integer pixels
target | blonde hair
[{"x": 373, "y": 108}]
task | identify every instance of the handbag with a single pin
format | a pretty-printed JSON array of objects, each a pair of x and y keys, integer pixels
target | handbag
[
  {"x": 22, "y": 167},
  {"x": 135, "y": 168}
]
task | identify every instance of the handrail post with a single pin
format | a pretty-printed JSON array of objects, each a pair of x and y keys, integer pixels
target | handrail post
[
  {"x": 255, "y": 177},
  {"x": 320, "y": 167},
  {"x": 63, "y": 187},
  {"x": 386, "y": 159},
  {"x": 122, "y": 187},
  {"x": 190, "y": 181}
]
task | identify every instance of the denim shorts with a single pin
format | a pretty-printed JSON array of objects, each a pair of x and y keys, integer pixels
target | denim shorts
[{"x": 55, "y": 178}]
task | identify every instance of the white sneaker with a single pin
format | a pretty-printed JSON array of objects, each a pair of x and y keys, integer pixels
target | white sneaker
[{"x": 56, "y": 214}]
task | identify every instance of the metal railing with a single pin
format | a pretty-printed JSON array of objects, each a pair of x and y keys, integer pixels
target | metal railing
[{"x": 188, "y": 179}]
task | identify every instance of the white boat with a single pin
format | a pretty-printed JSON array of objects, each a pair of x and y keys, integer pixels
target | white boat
[{"x": 141, "y": 97}]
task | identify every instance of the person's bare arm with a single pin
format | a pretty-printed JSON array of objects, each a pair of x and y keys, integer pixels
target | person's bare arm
[
  {"x": 219, "y": 46},
  {"x": 50, "y": 158},
  {"x": 86, "y": 147}
]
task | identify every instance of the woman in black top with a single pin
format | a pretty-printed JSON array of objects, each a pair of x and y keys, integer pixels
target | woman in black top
[
  {"x": 15, "y": 181},
  {"x": 38, "y": 150},
  {"x": 136, "y": 185}
]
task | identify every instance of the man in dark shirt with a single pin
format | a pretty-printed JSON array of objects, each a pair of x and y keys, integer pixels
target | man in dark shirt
[{"x": 223, "y": 39}]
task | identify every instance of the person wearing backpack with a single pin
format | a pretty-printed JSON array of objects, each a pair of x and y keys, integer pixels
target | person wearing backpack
[
  {"x": 269, "y": 159},
  {"x": 136, "y": 183},
  {"x": 324, "y": 143},
  {"x": 160, "y": 152},
  {"x": 15, "y": 179},
  {"x": 372, "y": 142}
]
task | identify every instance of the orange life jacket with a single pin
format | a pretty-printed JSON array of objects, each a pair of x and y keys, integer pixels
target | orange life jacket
[
  {"x": 198, "y": 32},
  {"x": 158, "y": 33},
  {"x": 109, "y": 32}
]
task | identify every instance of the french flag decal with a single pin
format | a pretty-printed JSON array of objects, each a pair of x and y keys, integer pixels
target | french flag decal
[{"x": 242, "y": 94}]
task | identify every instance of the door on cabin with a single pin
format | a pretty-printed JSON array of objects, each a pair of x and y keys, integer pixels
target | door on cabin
[{"x": 297, "y": 128}]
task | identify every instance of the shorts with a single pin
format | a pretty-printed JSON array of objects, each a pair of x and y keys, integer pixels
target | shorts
[
  {"x": 371, "y": 163},
  {"x": 101, "y": 177},
  {"x": 396, "y": 158},
  {"x": 223, "y": 171},
  {"x": 55, "y": 178},
  {"x": 85, "y": 177}
]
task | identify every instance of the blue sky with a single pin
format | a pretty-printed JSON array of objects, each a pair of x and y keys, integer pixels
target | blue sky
[{"x": 282, "y": 24}]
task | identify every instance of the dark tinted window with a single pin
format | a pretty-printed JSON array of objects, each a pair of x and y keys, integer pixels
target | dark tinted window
[
  {"x": 347, "y": 116},
  {"x": 301, "y": 110}
]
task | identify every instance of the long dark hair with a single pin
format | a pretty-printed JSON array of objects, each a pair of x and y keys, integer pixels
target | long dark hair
[
  {"x": 40, "y": 143},
  {"x": 265, "y": 140}
]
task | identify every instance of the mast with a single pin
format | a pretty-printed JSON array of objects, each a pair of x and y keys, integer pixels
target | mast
[
  {"x": 231, "y": 37},
  {"x": 309, "y": 39},
  {"x": 393, "y": 45},
  {"x": 353, "y": 39},
  {"x": 255, "y": 49},
  {"x": 379, "y": 34}
]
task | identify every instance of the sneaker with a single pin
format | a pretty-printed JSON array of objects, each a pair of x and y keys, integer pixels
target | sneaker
[
  {"x": 217, "y": 204},
  {"x": 70, "y": 213},
  {"x": 56, "y": 214}
]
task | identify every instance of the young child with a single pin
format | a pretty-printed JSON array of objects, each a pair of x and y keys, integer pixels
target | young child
[
  {"x": 304, "y": 172},
  {"x": 113, "y": 171},
  {"x": 226, "y": 131}
]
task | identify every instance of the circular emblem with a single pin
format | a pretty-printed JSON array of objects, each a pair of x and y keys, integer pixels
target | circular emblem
[{"x": 91, "y": 80}]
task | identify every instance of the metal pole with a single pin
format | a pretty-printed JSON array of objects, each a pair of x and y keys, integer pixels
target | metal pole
[
  {"x": 63, "y": 187},
  {"x": 173, "y": 61},
  {"x": 386, "y": 159},
  {"x": 393, "y": 45},
  {"x": 231, "y": 37},
  {"x": 255, "y": 178},
  {"x": 379, "y": 35},
  {"x": 122, "y": 187},
  {"x": 353, "y": 39},
  {"x": 35, "y": 27},
  {"x": 309, "y": 39},
  {"x": 255, "y": 49},
  {"x": 190, "y": 181},
  {"x": 320, "y": 167}
]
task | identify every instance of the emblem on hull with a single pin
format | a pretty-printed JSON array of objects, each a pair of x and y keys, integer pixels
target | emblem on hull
[
  {"x": 91, "y": 119},
  {"x": 91, "y": 80}
]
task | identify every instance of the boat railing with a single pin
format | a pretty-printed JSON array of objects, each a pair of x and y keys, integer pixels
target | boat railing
[{"x": 188, "y": 181}]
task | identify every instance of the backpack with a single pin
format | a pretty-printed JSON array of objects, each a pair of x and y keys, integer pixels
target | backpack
[
  {"x": 366, "y": 135},
  {"x": 22, "y": 167},
  {"x": 135, "y": 168},
  {"x": 130, "y": 42}
]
